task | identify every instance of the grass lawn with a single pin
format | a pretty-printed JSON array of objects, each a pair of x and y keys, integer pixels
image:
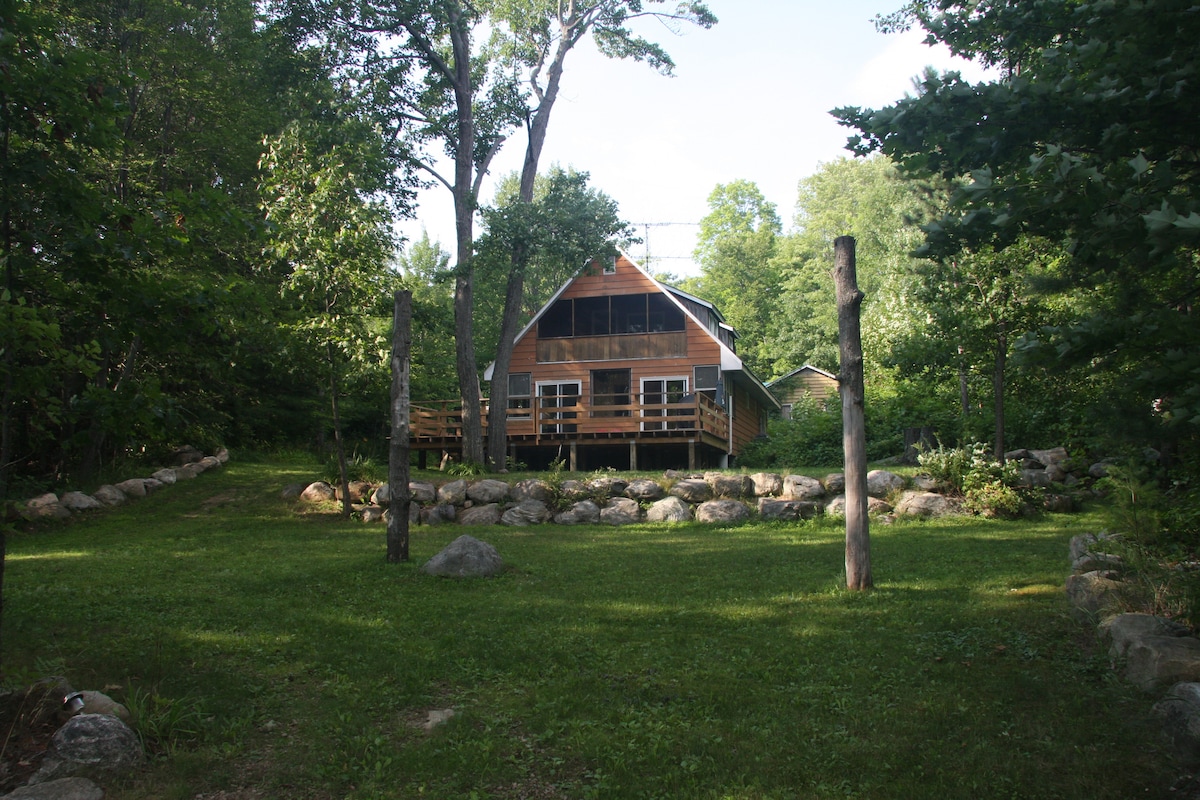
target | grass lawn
[{"x": 271, "y": 652}]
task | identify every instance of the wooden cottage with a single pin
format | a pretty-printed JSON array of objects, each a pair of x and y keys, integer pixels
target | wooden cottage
[
  {"x": 619, "y": 370},
  {"x": 807, "y": 380}
]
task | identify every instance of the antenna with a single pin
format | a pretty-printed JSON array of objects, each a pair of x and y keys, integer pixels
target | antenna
[{"x": 647, "y": 258}]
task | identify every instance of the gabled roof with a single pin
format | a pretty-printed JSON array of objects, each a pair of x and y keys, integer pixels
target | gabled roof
[
  {"x": 730, "y": 362},
  {"x": 798, "y": 370}
]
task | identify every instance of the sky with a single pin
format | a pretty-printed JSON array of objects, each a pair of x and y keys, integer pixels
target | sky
[{"x": 749, "y": 100}]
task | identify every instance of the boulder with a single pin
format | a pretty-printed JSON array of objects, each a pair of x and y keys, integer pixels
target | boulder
[
  {"x": 209, "y": 462},
  {"x": 621, "y": 511},
  {"x": 526, "y": 512},
  {"x": 317, "y": 492},
  {"x": 1179, "y": 713},
  {"x": 465, "y": 557},
  {"x": 786, "y": 509},
  {"x": 1058, "y": 503},
  {"x": 488, "y": 490},
  {"x": 925, "y": 504},
  {"x": 222, "y": 455},
  {"x": 1156, "y": 662},
  {"x": 801, "y": 487},
  {"x": 422, "y": 492},
  {"x": 100, "y": 703},
  {"x": 573, "y": 490},
  {"x": 582, "y": 512},
  {"x": 89, "y": 745},
  {"x": 607, "y": 486},
  {"x": 924, "y": 483},
  {"x": 164, "y": 476},
  {"x": 734, "y": 486},
  {"x": 60, "y": 789},
  {"x": 488, "y": 514},
  {"x": 187, "y": 455},
  {"x": 1035, "y": 478},
  {"x": 1091, "y": 594},
  {"x": 454, "y": 493},
  {"x": 1084, "y": 543},
  {"x": 1098, "y": 470},
  {"x": 46, "y": 506},
  {"x": 438, "y": 514},
  {"x": 1123, "y": 630},
  {"x": 1051, "y": 457},
  {"x": 382, "y": 495},
  {"x": 834, "y": 483},
  {"x": 837, "y": 506},
  {"x": 532, "y": 489},
  {"x": 881, "y": 483},
  {"x": 669, "y": 509},
  {"x": 692, "y": 490},
  {"x": 78, "y": 501},
  {"x": 152, "y": 485},
  {"x": 359, "y": 491},
  {"x": 644, "y": 489},
  {"x": 722, "y": 512},
  {"x": 372, "y": 514},
  {"x": 186, "y": 472},
  {"x": 109, "y": 495},
  {"x": 767, "y": 484}
]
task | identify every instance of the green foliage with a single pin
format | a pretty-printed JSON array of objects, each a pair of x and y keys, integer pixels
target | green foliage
[
  {"x": 987, "y": 487},
  {"x": 466, "y": 469},
  {"x": 164, "y": 724},
  {"x": 813, "y": 436}
]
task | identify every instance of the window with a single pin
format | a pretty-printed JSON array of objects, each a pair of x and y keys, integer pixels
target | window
[
  {"x": 591, "y": 316},
  {"x": 610, "y": 266},
  {"x": 603, "y": 316},
  {"x": 629, "y": 313},
  {"x": 519, "y": 396},
  {"x": 552, "y": 399},
  {"x": 708, "y": 381},
  {"x": 610, "y": 387},
  {"x": 658, "y": 397},
  {"x": 558, "y": 320}
]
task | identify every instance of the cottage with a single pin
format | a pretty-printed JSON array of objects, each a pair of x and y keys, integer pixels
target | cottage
[
  {"x": 620, "y": 370},
  {"x": 807, "y": 380}
]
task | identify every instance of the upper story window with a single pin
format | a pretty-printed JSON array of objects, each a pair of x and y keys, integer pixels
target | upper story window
[{"x": 602, "y": 316}]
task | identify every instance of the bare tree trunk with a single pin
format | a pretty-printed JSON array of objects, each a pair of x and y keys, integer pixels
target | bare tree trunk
[
  {"x": 339, "y": 445},
  {"x": 998, "y": 386},
  {"x": 397, "y": 527},
  {"x": 854, "y": 438}
]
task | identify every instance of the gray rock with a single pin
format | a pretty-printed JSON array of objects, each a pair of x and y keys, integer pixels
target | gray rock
[
  {"x": 1037, "y": 478},
  {"x": 90, "y": 745},
  {"x": 837, "y": 506},
  {"x": 165, "y": 476},
  {"x": 152, "y": 485},
  {"x": 1090, "y": 562},
  {"x": 692, "y": 490},
  {"x": 465, "y": 557},
  {"x": 607, "y": 486},
  {"x": 925, "y": 504},
  {"x": 1085, "y": 543},
  {"x": 480, "y": 515},
  {"x": 78, "y": 501},
  {"x": 834, "y": 483},
  {"x": 581, "y": 512},
  {"x": 209, "y": 462},
  {"x": 669, "y": 509},
  {"x": 372, "y": 514},
  {"x": 422, "y": 492},
  {"x": 644, "y": 489},
  {"x": 438, "y": 514},
  {"x": 801, "y": 487},
  {"x": 222, "y": 455},
  {"x": 723, "y": 512},
  {"x": 732, "y": 486},
  {"x": 767, "y": 484},
  {"x": 1092, "y": 594},
  {"x": 881, "y": 483},
  {"x": 1058, "y": 503},
  {"x": 1155, "y": 662},
  {"x": 527, "y": 512},
  {"x": 60, "y": 789},
  {"x": 1098, "y": 470},
  {"x": 317, "y": 492},
  {"x": 100, "y": 703},
  {"x": 924, "y": 483},
  {"x": 532, "y": 489},
  {"x": 454, "y": 493},
  {"x": 488, "y": 490},
  {"x": 1046, "y": 458},
  {"x": 573, "y": 490},
  {"x": 1124, "y": 629},
  {"x": 187, "y": 472},
  {"x": 786, "y": 509},
  {"x": 46, "y": 506},
  {"x": 1179, "y": 712},
  {"x": 109, "y": 495},
  {"x": 621, "y": 511}
]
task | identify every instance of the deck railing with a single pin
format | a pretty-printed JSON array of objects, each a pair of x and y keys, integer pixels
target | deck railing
[{"x": 567, "y": 417}]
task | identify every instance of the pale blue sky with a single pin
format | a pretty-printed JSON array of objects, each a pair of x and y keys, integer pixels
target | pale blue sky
[{"x": 749, "y": 100}]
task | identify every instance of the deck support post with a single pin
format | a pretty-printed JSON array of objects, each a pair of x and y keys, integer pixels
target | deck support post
[
  {"x": 574, "y": 465},
  {"x": 632, "y": 454},
  {"x": 691, "y": 456}
]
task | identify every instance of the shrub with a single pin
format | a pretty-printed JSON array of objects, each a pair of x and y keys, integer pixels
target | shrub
[{"x": 988, "y": 487}]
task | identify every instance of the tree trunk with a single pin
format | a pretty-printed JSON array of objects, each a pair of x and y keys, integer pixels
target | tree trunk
[
  {"x": 398, "y": 456},
  {"x": 998, "y": 387},
  {"x": 964, "y": 398},
  {"x": 854, "y": 438},
  {"x": 339, "y": 445}
]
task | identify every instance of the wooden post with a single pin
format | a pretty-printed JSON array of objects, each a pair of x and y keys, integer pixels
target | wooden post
[
  {"x": 854, "y": 437},
  {"x": 633, "y": 455},
  {"x": 397, "y": 527}
]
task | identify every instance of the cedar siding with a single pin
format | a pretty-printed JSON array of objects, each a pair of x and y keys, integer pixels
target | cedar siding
[{"x": 646, "y": 341}]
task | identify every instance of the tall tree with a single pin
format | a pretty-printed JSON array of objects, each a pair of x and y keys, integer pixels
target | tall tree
[
  {"x": 1088, "y": 136},
  {"x": 535, "y": 36}
]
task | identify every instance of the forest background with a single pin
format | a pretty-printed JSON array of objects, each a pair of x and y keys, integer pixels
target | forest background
[{"x": 199, "y": 203}]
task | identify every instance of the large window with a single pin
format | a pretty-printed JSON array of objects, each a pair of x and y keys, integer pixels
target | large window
[
  {"x": 610, "y": 387},
  {"x": 708, "y": 379},
  {"x": 601, "y": 316},
  {"x": 519, "y": 395}
]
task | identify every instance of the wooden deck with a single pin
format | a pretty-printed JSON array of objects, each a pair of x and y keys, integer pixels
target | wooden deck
[{"x": 574, "y": 421}]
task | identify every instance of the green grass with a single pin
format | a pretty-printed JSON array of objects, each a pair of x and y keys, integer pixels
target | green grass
[{"x": 269, "y": 648}]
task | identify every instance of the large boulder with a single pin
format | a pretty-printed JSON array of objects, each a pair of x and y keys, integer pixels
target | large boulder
[
  {"x": 881, "y": 483},
  {"x": 836, "y": 507},
  {"x": 438, "y": 514},
  {"x": 488, "y": 514},
  {"x": 835, "y": 483},
  {"x": 465, "y": 557},
  {"x": 422, "y": 492},
  {"x": 109, "y": 495},
  {"x": 925, "y": 504},
  {"x": 1124, "y": 630},
  {"x": 607, "y": 486},
  {"x": 572, "y": 490},
  {"x": 801, "y": 487},
  {"x": 526, "y": 512},
  {"x": 488, "y": 490},
  {"x": 90, "y": 745},
  {"x": 1084, "y": 543},
  {"x": 692, "y": 490},
  {"x": 59, "y": 789},
  {"x": 187, "y": 471},
  {"x": 669, "y": 509},
  {"x": 454, "y": 493},
  {"x": 722, "y": 512},
  {"x": 644, "y": 489},
  {"x": 78, "y": 501},
  {"x": 99, "y": 703},
  {"x": 532, "y": 489},
  {"x": 317, "y": 492},
  {"x": 767, "y": 484},
  {"x": 1156, "y": 662},
  {"x": 581, "y": 512},
  {"x": 164, "y": 476},
  {"x": 733, "y": 486},
  {"x": 46, "y": 506},
  {"x": 1048, "y": 458},
  {"x": 1179, "y": 712},
  {"x": 1092, "y": 594},
  {"x": 621, "y": 511},
  {"x": 772, "y": 509}
]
